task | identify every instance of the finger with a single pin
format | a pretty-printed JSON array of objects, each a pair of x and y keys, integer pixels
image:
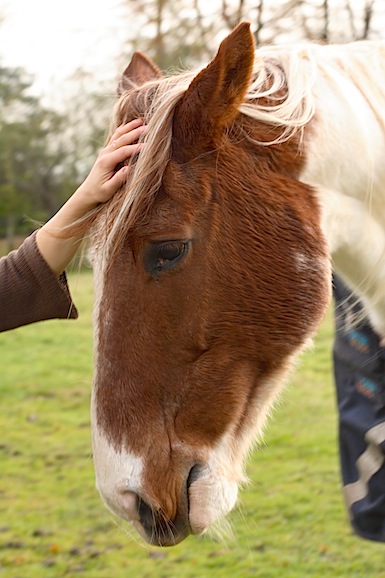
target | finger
[
  {"x": 128, "y": 138},
  {"x": 122, "y": 154},
  {"x": 118, "y": 179},
  {"x": 124, "y": 128}
]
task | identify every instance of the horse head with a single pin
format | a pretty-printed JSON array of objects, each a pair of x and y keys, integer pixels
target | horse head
[{"x": 211, "y": 275}]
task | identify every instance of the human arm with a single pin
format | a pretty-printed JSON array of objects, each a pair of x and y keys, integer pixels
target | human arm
[
  {"x": 100, "y": 185},
  {"x": 33, "y": 285},
  {"x": 29, "y": 289}
]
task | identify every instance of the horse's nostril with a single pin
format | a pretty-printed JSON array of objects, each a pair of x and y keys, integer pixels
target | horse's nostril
[
  {"x": 146, "y": 516},
  {"x": 194, "y": 475},
  {"x": 152, "y": 522}
]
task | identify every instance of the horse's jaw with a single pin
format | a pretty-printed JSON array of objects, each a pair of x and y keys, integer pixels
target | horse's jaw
[{"x": 207, "y": 491}]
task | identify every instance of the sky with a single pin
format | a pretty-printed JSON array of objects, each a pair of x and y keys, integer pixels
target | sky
[{"x": 52, "y": 38}]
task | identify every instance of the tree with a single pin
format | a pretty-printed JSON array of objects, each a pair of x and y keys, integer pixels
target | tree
[
  {"x": 31, "y": 164},
  {"x": 87, "y": 108},
  {"x": 45, "y": 154},
  {"x": 175, "y": 32}
]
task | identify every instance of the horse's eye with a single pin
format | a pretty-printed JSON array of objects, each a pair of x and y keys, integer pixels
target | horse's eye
[
  {"x": 169, "y": 252},
  {"x": 161, "y": 256}
]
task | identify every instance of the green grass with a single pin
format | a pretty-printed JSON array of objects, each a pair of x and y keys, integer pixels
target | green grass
[{"x": 291, "y": 520}]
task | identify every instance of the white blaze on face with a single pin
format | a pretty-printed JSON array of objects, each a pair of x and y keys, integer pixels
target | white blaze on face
[
  {"x": 116, "y": 472},
  {"x": 213, "y": 494},
  {"x": 119, "y": 475}
]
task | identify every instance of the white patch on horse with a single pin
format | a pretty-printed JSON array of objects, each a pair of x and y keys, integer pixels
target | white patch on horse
[
  {"x": 345, "y": 163},
  {"x": 118, "y": 474},
  {"x": 214, "y": 493}
]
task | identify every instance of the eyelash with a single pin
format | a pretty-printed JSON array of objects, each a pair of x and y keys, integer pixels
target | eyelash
[{"x": 165, "y": 255}]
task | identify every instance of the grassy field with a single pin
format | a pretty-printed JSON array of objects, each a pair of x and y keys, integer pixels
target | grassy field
[{"x": 291, "y": 520}]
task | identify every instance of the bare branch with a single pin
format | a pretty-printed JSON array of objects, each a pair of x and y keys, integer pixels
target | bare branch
[
  {"x": 225, "y": 15},
  {"x": 284, "y": 11},
  {"x": 368, "y": 15},
  {"x": 205, "y": 44},
  {"x": 240, "y": 11},
  {"x": 259, "y": 22},
  {"x": 325, "y": 32}
]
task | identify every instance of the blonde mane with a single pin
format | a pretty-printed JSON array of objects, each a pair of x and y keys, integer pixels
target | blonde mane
[
  {"x": 285, "y": 75},
  {"x": 155, "y": 102}
]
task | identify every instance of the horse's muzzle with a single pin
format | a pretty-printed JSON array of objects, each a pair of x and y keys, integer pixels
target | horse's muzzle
[{"x": 152, "y": 524}]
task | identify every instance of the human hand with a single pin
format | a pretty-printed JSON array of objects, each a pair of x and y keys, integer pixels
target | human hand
[
  {"x": 104, "y": 180},
  {"x": 102, "y": 183}
]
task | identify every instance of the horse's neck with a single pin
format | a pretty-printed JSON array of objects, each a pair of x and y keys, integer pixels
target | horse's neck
[
  {"x": 345, "y": 149},
  {"x": 345, "y": 143}
]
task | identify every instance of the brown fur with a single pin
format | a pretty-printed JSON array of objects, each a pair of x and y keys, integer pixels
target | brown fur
[{"x": 183, "y": 354}]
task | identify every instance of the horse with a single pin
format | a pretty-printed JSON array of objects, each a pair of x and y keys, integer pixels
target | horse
[{"x": 213, "y": 265}]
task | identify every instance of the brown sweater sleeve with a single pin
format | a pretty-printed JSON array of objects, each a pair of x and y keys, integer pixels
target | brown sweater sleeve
[{"x": 30, "y": 291}]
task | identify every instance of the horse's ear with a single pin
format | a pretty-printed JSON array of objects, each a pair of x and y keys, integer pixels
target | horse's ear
[
  {"x": 211, "y": 102},
  {"x": 140, "y": 70}
]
